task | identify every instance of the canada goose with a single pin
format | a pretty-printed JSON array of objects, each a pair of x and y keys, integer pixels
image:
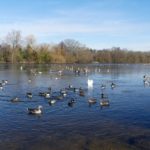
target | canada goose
[
  {"x": 14, "y": 100},
  {"x": 41, "y": 94},
  {"x": 92, "y": 101},
  {"x": 47, "y": 95},
  {"x": 75, "y": 89},
  {"x": 52, "y": 101},
  {"x": 63, "y": 92},
  {"x": 71, "y": 102},
  {"x": 4, "y": 82},
  {"x": 50, "y": 89},
  {"x": 104, "y": 102},
  {"x": 35, "y": 111},
  {"x": 29, "y": 95},
  {"x": 1, "y": 87},
  {"x": 103, "y": 86},
  {"x": 113, "y": 85},
  {"x": 81, "y": 93}
]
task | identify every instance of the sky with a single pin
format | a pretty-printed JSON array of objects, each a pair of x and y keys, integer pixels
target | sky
[{"x": 96, "y": 23}]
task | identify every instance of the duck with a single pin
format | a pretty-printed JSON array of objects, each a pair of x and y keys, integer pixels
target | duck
[
  {"x": 92, "y": 101},
  {"x": 34, "y": 111},
  {"x": 14, "y": 100},
  {"x": 104, "y": 102},
  {"x": 29, "y": 95},
  {"x": 71, "y": 102}
]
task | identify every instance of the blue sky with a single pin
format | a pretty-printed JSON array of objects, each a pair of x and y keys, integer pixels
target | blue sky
[{"x": 96, "y": 23}]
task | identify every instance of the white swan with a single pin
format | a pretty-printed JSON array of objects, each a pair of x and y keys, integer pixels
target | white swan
[{"x": 90, "y": 83}]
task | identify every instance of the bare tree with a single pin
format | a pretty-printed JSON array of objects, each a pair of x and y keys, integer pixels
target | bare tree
[
  {"x": 30, "y": 40},
  {"x": 13, "y": 38}
]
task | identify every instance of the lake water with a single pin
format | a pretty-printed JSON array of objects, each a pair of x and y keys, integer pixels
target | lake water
[{"x": 124, "y": 125}]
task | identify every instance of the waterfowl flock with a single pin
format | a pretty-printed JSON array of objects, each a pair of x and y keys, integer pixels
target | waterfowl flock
[{"x": 52, "y": 97}]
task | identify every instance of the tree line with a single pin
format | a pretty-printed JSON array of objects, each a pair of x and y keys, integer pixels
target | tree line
[{"x": 15, "y": 49}]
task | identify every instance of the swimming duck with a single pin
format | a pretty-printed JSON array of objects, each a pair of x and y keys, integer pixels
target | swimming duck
[
  {"x": 35, "y": 111},
  {"x": 104, "y": 102},
  {"x": 92, "y": 101},
  {"x": 14, "y": 100},
  {"x": 29, "y": 95},
  {"x": 71, "y": 102}
]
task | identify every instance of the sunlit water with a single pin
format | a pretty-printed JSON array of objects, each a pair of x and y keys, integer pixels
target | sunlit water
[{"x": 125, "y": 124}]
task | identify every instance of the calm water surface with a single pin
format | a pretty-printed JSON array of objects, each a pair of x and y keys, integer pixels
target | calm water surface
[{"x": 124, "y": 125}]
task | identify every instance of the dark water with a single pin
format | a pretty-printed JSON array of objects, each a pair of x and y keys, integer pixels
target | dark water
[{"x": 124, "y": 125}]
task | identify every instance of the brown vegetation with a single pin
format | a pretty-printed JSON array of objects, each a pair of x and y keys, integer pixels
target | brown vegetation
[{"x": 16, "y": 50}]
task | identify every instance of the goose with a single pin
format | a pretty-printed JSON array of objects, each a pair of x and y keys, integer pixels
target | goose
[
  {"x": 1, "y": 87},
  {"x": 104, "y": 102},
  {"x": 92, "y": 101},
  {"x": 71, "y": 102},
  {"x": 50, "y": 89},
  {"x": 14, "y": 100},
  {"x": 63, "y": 92},
  {"x": 35, "y": 111},
  {"x": 103, "y": 86},
  {"x": 52, "y": 101},
  {"x": 29, "y": 95},
  {"x": 47, "y": 95},
  {"x": 60, "y": 97},
  {"x": 81, "y": 93},
  {"x": 113, "y": 85},
  {"x": 75, "y": 89},
  {"x": 70, "y": 86},
  {"x": 4, "y": 82},
  {"x": 41, "y": 94}
]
